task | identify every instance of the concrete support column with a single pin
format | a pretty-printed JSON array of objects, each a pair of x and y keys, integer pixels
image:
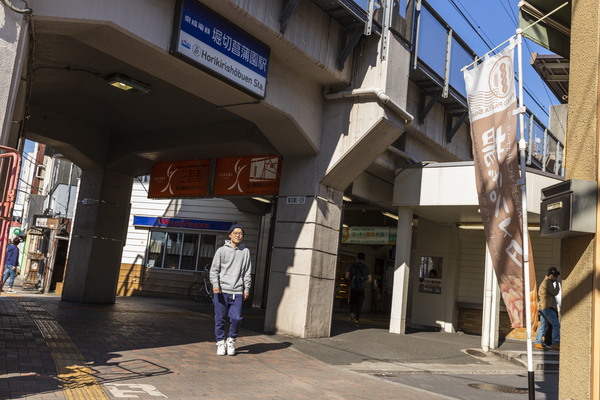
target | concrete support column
[
  {"x": 13, "y": 48},
  {"x": 495, "y": 311},
  {"x": 580, "y": 316},
  {"x": 401, "y": 271},
  {"x": 98, "y": 237},
  {"x": 488, "y": 290},
  {"x": 304, "y": 258}
]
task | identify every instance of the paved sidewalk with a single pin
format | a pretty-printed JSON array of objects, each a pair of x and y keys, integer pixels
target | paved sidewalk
[{"x": 161, "y": 348}]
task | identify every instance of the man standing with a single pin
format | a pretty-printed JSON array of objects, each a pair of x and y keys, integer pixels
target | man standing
[
  {"x": 358, "y": 274},
  {"x": 11, "y": 264},
  {"x": 548, "y": 311},
  {"x": 231, "y": 280}
]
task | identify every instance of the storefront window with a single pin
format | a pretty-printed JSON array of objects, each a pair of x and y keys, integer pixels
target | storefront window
[
  {"x": 430, "y": 275},
  {"x": 155, "y": 249},
  {"x": 173, "y": 250},
  {"x": 178, "y": 250},
  {"x": 207, "y": 251},
  {"x": 189, "y": 255}
]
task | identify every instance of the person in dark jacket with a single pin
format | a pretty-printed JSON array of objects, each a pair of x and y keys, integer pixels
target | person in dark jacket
[
  {"x": 358, "y": 274},
  {"x": 548, "y": 311},
  {"x": 11, "y": 264}
]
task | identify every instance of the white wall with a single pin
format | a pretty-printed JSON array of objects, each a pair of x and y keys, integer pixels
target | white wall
[{"x": 546, "y": 254}]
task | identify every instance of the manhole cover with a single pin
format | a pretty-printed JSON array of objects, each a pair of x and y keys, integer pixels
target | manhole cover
[
  {"x": 497, "y": 388},
  {"x": 476, "y": 353}
]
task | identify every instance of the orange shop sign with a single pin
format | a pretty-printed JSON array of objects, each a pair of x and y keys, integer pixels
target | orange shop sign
[
  {"x": 179, "y": 179},
  {"x": 250, "y": 175}
]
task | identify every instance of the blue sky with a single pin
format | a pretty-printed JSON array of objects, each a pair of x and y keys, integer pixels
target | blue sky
[{"x": 495, "y": 21}]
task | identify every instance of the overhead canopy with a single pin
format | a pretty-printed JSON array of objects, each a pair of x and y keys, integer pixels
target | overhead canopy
[
  {"x": 554, "y": 71},
  {"x": 554, "y": 33}
]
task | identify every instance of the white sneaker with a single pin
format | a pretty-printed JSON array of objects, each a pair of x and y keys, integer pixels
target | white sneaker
[
  {"x": 230, "y": 346},
  {"x": 221, "y": 348}
]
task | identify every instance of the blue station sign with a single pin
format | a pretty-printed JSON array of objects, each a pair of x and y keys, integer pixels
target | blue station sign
[
  {"x": 201, "y": 37},
  {"x": 161, "y": 222}
]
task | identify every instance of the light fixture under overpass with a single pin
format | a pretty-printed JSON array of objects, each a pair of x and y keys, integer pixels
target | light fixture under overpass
[
  {"x": 479, "y": 227},
  {"x": 262, "y": 199},
  {"x": 390, "y": 215},
  {"x": 126, "y": 83},
  {"x": 347, "y": 199}
]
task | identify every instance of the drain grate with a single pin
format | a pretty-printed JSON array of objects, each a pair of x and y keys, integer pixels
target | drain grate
[
  {"x": 476, "y": 353},
  {"x": 497, "y": 388}
]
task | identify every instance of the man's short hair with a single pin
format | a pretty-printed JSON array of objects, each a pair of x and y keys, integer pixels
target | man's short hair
[
  {"x": 361, "y": 256},
  {"x": 553, "y": 271},
  {"x": 16, "y": 241}
]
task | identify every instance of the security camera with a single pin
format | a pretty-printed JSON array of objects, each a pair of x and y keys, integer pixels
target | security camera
[{"x": 363, "y": 211}]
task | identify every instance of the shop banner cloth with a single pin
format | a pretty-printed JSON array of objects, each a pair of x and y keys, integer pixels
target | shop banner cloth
[{"x": 491, "y": 99}]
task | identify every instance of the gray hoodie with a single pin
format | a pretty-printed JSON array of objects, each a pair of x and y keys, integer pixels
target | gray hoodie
[{"x": 231, "y": 268}]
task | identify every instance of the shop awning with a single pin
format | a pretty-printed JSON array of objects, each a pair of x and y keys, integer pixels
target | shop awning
[
  {"x": 554, "y": 33},
  {"x": 446, "y": 192}
]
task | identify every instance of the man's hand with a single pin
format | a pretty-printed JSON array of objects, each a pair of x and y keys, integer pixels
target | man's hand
[
  {"x": 246, "y": 295},
  {"x": 216, "y": 290}
]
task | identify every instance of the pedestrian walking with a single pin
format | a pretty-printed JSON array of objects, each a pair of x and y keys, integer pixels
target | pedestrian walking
[
  {"x": 231, "y": 281},
  {"x": 548, "y": 311},
  {"x": 358, "y": 274},
  {"x": 11, "y": 264},
  {"x": 548, "y": 338}
]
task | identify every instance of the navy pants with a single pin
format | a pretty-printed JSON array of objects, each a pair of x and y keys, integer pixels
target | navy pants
[
  {"x": 227, "y": 304},
  {"x": 356, "y": 301}
]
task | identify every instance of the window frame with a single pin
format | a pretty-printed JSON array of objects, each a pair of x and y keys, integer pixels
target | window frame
[{"x": 164, "y": 250}]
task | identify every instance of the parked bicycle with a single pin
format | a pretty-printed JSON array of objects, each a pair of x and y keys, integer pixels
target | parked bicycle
[{"x": 201, "y": 289}]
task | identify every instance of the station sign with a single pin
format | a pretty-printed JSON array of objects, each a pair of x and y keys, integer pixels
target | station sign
[
  {"x": 369, "y": 235},
  {"x": 204, "y": 39}
]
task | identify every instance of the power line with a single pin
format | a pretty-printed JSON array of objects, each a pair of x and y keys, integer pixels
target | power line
[
  {"x": 525, "y": 88},
  {"x": 478, "y": 27}
]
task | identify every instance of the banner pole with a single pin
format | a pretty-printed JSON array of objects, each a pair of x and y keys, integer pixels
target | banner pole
[{"x": 527, "y": 292}]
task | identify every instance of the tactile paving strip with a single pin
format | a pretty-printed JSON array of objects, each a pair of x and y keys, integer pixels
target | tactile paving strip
[{"x": 75, "y": 377}]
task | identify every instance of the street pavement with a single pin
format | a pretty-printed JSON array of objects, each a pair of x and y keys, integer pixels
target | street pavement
[{"x": 151, "y": 348}]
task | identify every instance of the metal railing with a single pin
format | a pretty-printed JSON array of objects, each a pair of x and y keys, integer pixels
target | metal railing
[{"x": 442, "y": 59}]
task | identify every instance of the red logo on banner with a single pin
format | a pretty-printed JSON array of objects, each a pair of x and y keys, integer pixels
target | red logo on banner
[
  {"x": 247, "y": 175},
  {"x": 179, "y": 179}
]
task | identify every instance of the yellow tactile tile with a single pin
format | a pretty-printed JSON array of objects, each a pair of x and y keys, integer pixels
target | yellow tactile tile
[{"x": 76, "y": 379}]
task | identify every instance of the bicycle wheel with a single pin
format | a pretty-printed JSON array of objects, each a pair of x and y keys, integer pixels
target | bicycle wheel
[{"x": 197, "y": 291}]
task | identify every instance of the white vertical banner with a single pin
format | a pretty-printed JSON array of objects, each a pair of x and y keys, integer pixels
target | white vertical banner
[{"x": 491, "y": 98}]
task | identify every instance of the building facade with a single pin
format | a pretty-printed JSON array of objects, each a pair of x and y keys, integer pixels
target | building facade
[{"x": 354, "y": 106}]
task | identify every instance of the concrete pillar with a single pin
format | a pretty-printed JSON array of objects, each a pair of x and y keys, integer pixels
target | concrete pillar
[
  {"x": 13, "y": 48},
  {"x": 98, "y": 237},
  {"x": 580, "y": 329},
  {"x": 495, "y": 320},
  {"x": 303, "y": 262},
  {"x": 487, "y": 301},
  {"x": 401, "y": 271}
]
